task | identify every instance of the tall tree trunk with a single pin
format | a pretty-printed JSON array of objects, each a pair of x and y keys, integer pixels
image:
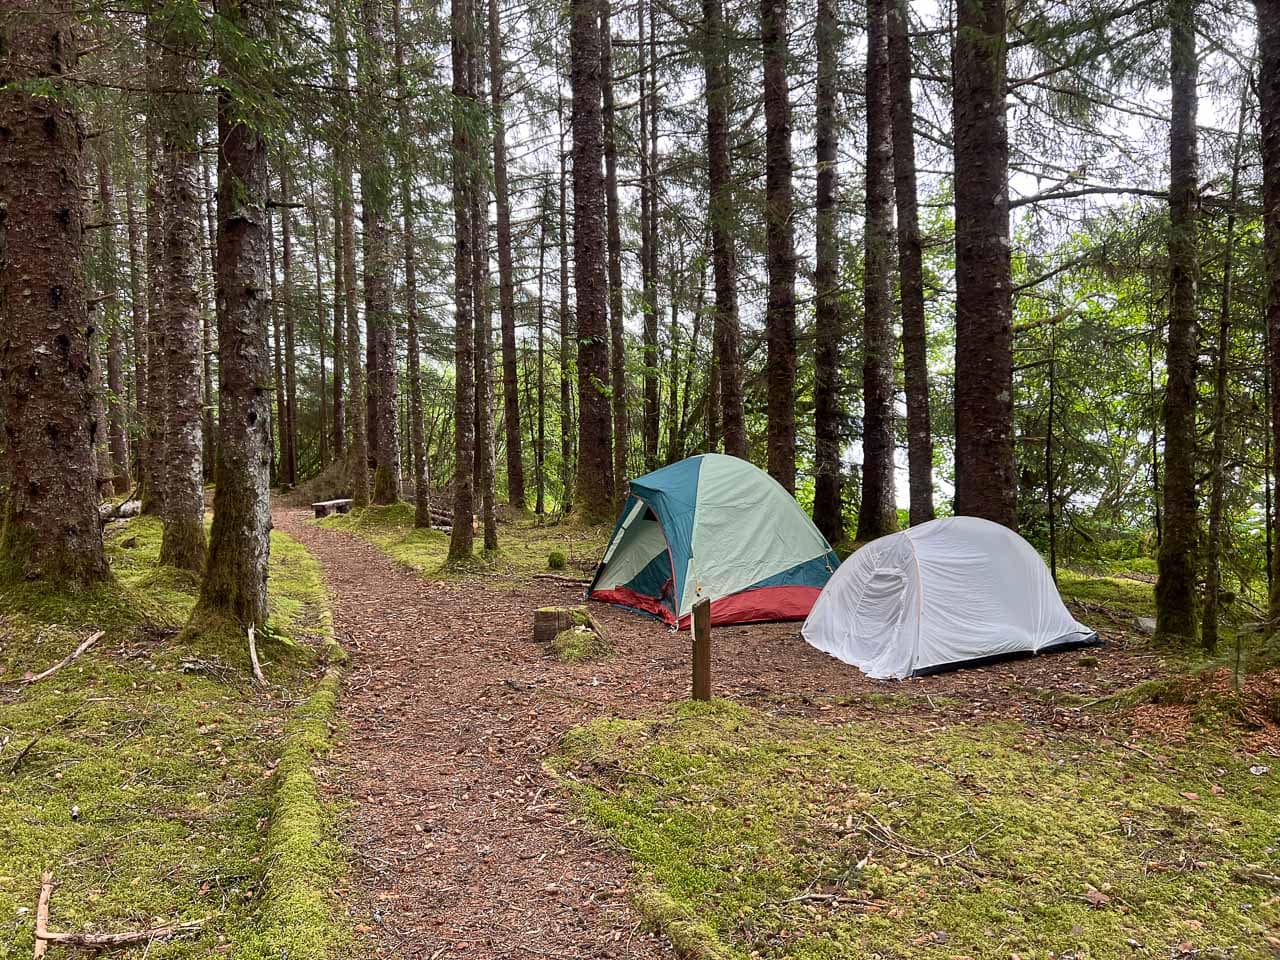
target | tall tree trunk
[
  {"x": 289, "y": 436},
  {"x": 1217, "y": 495},
  {"x": 282, "y": 416},
  {"x": 540, "y": 442},
  {"x": 1269, "y": 116},
  {"x": 828, "y": 512},
  {"x": 235, "y": 582},
  {"x": 117, "y": 404},
  {"x": 506, "y": 284},
  {"x": 878, "y": 513},
  {"x": 595, "y": 491},
  {"x": 986, "y": 483},
  {"x": 649, "y": 232},
  {"x": 1176, "y": 583},
  {"x": 138, "y": 307},
  {"x": 183, "y": 541},
  {"x": 486, "y": 455},
  {"x": 617, "y": 327},
  {"x": 358, "y": 455},
  {"x": 339, "y": 324},
  {"x": 421, "y": 484},
  {"x": 375, "y": 196},
  {"x": 915, "y": 345},
  {"x": 780, "y": 258},
  {"x": 49, "y": 528},
  {"x": 567, "y": 336},
  {"x": 154, "y": 468},
  {"x": 317, "y": 222},
  {"x": 461, "y": 540},
  {"x": 720, "y": 211},
  {"x": 208, "y": 322}
]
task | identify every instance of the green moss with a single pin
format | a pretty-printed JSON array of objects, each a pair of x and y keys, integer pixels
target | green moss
[
  {"x": 556, "y": 560},
  {"x": 146, "y": 786},
  {"x": 525, "y": 546},
  {"x": 580, "y": 644},
  {"x": 1121, "y": 594},
  {"x": 769, "y": 837}
]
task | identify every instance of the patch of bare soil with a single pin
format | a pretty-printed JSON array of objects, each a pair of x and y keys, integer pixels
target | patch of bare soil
[{"x": 464, "y": 847}]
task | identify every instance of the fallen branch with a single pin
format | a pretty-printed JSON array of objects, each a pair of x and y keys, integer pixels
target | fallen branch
[
  {"x": 13, "y": 764},
  {"x": 89, "y": 642},
  {"x": 129, "y": 938},
  {"x": 42, "y": 914},
  {"x": 98, "y": 941},
  {"x": 253, "y": 657}
]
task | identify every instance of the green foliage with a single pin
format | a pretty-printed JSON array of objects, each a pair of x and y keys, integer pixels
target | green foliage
[
  {"x": 556, "y": 560},
  {"x": 758, "y": 836},
  {"x": 144, "y": 786}
]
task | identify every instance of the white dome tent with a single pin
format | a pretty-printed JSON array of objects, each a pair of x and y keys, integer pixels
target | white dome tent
[{"x": 943, "y": 594}]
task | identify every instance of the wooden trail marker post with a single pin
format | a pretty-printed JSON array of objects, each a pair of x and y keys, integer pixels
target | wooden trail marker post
[{"x": 702, "y": 650}]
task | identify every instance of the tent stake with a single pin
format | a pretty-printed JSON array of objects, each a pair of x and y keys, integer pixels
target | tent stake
[{"x": 702, "y": 650}]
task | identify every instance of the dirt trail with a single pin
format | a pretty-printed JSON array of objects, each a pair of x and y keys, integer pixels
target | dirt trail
[{"x": 464, "y": 847}]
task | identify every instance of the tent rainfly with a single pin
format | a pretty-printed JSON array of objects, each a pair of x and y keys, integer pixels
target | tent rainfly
[
  {"x": 944, "y": 594},
  {"x": 713, "y": 526}
]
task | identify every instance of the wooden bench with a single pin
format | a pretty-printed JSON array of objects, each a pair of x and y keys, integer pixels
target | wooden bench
[{"x": 326, "y": 507}]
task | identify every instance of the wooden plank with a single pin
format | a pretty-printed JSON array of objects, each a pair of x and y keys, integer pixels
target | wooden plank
[{"x": 702, "y": 650}]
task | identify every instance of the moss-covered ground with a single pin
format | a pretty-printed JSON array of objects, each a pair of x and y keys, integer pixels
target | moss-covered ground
[
  {"x": 525, "y": 545},
  {"x": 153, "y": 779},
  {"x": 761, "y": 837}
]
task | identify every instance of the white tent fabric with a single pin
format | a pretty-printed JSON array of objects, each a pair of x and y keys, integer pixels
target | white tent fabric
[{"x": 939, "y": 594}]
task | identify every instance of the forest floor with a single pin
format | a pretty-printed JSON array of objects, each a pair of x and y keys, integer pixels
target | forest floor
[
  {"x": 505, "y": 803},
  {"x": 153, "y": 778}
]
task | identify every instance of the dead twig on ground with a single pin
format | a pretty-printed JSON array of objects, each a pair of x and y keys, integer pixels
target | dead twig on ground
[
  {"x": 71, "y": 657},
  {"x": 99, "y": 941},
  {"x": 253, "y": 657}
]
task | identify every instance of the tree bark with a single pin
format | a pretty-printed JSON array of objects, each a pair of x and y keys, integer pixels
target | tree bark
[
  {"x": 506, "y": 284},
  {"x": 289, "y": 419},
  {"x": 828, "y": 512},
  {"x": 461, "y": 540},
  {"x": 358, "y": 454},
  {"x": 375, "y": 196},
  {"x": 878, "y": 513},
  {"x": 117, "y": 404},
  {"x": 339, "y": 324},
  {"x": 235, "y": 582},
  {"x": 595, "y": 481},
  {"x": 138, "y": 307},
  {"x": 208, "y": 322},
  {"x": 915, "y": 344},
  {"x": 1269, "y": 117},
  {"x": 617, "y": 326},
  {"x": 649, "y": 233},
  {"x": 154, "y": 474},
  {"x": 49, "y": 528},
  {"x": 780, "y": 257},
  {"x": 986, "y": 484},
  {"x": 720, "y": 212},
  {"x": 1176, "y": 614},
  {"x": 540, "y": 442},
  {"x": 1217, "y": 465},
  {"x": 486, "y": 454},
  {"x": 183, "y": 541},
  {"x": 421, "y": 483},
  {"x": 567, "y": 337},
  {"x": 281, "y": 424}
]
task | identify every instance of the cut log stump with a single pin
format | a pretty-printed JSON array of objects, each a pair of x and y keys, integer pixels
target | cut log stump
[
  {"x": 549, "y": 621},
  {"x": 326, "y": 507}
]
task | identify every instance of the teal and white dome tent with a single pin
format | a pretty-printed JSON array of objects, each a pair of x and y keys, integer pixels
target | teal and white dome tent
[
  {"x": 947, "y": 593},
  {"x": 716, "y": 527}
]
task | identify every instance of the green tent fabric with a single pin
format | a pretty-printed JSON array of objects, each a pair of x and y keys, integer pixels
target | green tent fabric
[{"x": 717, "y": 527}]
